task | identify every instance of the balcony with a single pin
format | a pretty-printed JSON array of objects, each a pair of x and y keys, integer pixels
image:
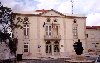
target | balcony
[{"x": 51, "y": 37}]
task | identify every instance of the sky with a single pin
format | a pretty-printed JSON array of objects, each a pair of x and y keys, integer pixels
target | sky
[{"x": 90, "y": 8}]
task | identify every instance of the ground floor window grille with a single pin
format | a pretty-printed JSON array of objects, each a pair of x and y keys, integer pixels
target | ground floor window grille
[
  {"x": 26, "y": 47},
  {"x": 56, "y": 48},
  {"x": 48, "y": 47}
]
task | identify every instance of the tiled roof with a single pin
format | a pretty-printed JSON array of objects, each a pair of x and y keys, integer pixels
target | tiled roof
[
  {"x": 43, "y": 11},
  {"x": 92, "y": 27},
  {"x": 75, "y": 15}
]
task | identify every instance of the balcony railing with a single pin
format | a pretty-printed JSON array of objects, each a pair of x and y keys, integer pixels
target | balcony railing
[{"x": 51, "y": 37}]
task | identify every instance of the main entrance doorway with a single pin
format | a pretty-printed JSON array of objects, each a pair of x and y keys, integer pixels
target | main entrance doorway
[
  {"x": 52, "y": 48},
  {"x": 48, "y": 48}
]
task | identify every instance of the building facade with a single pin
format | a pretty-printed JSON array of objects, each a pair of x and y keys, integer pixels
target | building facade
[
  {"x": 48, "y": 33},
  {"x": 93, "y": 38}
]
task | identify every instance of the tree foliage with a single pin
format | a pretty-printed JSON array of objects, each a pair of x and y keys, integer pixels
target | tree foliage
[
  {"x": 78, "y": 47},
  {"x": 6, "y": 21}
]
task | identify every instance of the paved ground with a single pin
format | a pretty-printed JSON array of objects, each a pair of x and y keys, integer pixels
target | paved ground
[
  {"x": 43, "y": 61},
  {"x": 61, "y": 60}
]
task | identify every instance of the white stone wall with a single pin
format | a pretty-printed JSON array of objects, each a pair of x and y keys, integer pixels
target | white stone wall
[
  {"x": 37, "y": 32},
  {"x": 93, "y": 39}
]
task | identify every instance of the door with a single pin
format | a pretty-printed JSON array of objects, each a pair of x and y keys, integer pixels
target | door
[
  {"x": 48, "y": 48},
  {"x": 56, "y": 48}
]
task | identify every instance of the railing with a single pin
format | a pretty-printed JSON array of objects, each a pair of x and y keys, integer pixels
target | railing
[{"x": 52, "y": 37}]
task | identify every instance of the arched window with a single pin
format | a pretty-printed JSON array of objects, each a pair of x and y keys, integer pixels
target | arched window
[
  {"x": 55, "y": 20},
  {"x": 75, "y": 21}
]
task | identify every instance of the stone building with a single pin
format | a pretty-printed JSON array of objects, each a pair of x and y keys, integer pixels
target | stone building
[
  {"x": 93, "y": 38},
  {"x": 48, "y": 33}
]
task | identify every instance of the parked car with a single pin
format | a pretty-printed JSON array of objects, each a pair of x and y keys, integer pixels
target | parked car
[{"x": 98, "y": 59}]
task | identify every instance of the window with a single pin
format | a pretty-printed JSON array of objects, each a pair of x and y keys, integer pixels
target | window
[
  {"x": 93, "y": 43},
  {"x": 48, "y": 47},
  {"x": 75, "y": 21},
  {"x": 97, "y": 43},
  {"x": 48, "y": 30},
  {"x": 26, "y": 30},
  {"x": 75, "y": 31},
  {"x": 56, "y": 46},
  {"x": 26, "y": 20},
  {"x": 26, "y": 47},
  {"x": 55, "y": 20},
  {"x": 87, "y": 35},
  {"x": 48, "y": 19},
  {"x": 57, "y": 29},
  {"x": 75, "y": 34}
]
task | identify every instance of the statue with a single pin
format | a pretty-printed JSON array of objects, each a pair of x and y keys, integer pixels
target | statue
[{"x": 78, "y": 47}]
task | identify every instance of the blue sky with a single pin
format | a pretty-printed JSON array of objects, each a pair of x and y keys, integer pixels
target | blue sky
[{"x": 91, "y": 8}]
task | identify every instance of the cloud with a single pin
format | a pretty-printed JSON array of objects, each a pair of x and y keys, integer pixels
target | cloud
[
  {"x": 47, "y": 4},
  {"x": 19, "y": 5},
  {"x": 89, "y": 7},
  {"x": 93, "y": 19},
  {"x": 10, "y": 3},
  {"x": 65, "y": 7}
]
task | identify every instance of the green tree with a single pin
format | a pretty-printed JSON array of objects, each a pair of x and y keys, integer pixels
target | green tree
[
  {"x": 78, "y": 47},
  {"x": 7, "y": 21}
]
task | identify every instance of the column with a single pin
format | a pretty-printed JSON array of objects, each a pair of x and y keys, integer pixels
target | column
[{"x": 52, "y": 46}]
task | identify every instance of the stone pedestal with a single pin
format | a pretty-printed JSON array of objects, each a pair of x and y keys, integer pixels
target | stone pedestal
[{"x": 79, "y": 57}]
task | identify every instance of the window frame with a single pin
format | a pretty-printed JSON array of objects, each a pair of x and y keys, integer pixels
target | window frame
[
  {"x": 26, "y": 48},
  {"x": 48, "y": 29},
  {"x": 26, "y": 30}
]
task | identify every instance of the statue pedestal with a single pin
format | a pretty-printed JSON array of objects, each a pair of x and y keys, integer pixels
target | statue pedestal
[{"x": 79, "y": 57}]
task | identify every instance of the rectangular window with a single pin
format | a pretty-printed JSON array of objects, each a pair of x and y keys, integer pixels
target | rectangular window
[
  {"x": 75, "y": 31},
  {"x": 57, "y": 29},
  {"x": 48, "y": 30},
  {"x": 75, "y": 34},
  {"x": 25, "y": 50},
  {"x": 87, "y": 35},
  {"x": 97, "y": 43},
  {"x": 26, "y": 47},
  {"x": 46, "y": 33},
  {"x": 26, "y": 30},
  {"x": 49, "y": 33}
]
